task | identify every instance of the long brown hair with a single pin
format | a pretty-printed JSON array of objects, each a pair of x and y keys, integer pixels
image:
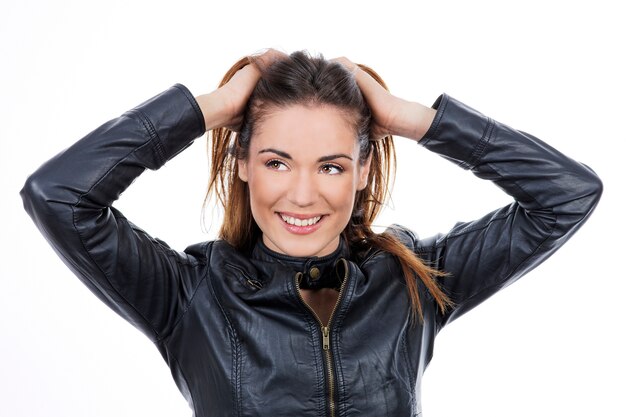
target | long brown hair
[{"x": 302, "y": 79}]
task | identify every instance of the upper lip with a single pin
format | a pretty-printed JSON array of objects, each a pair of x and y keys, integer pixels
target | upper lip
[{"x": 299, "y": 216}]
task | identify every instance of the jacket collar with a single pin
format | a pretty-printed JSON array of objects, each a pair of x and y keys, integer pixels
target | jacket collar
[{"x": 317, "y": 271}]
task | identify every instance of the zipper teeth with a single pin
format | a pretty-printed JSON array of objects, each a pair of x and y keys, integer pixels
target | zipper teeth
[
  {"x": 331, "y": 384},
  {"x": 343, "y": 284},
  {"x": 329, "y": 362}
]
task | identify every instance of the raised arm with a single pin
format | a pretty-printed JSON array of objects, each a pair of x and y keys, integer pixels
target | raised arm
[
  {"x": 554, "y": 195},
  {"x": 70, "y": 196},
  {"x": 70, "y": 200}
]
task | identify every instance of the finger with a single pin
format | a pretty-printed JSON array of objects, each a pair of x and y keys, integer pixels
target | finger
[
  {"x": 349, "y": 65},
  {"x": 267, "y": 58},
  {"x": 246, "y": 76},
  {"x": 363, "y": 79}
]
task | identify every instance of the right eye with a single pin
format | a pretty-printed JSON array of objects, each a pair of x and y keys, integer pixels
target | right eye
[{"x": 276, "y": 165}]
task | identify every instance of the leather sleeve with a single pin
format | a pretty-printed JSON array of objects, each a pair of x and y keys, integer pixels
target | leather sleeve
[
  {"x": 554, "y": 195},
  {"x": 70, "y": 196}
]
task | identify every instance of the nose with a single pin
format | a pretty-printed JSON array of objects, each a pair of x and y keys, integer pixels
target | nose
[{"x": 303, "y": 189}]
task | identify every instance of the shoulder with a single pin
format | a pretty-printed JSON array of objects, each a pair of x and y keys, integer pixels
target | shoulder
[
  {"x": 405, "y": 235},
  {"x": 368, "y": 252},
  {"x": 426, "y": 248},
  {"x": 220, "y": 255},
  {"x": 210, "y": 249}
]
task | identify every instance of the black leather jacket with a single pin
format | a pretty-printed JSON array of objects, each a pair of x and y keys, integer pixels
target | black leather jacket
[{"x": 233, "y": 328}]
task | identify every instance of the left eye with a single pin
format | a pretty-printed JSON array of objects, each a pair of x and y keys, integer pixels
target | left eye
[
  {"x": 331, "y": 169},
  {"x": 275, "y": 165}
]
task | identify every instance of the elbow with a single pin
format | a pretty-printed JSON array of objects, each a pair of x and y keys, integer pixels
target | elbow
[
  {"x": 599, "y": 188},
  {"x": 585, "y": 196},
  {"x": 593, "y": 188},
  {"x": 35, "y": 196}
]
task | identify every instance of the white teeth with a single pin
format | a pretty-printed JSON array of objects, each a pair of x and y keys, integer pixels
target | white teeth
[{"x": 300, "y": 222}]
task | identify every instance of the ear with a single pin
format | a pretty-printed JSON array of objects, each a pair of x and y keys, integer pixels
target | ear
[
  {"x": 242, "y": 169},
  {"x": 364, "y": 171}
]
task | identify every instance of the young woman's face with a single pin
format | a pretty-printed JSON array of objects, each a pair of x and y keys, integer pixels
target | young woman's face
[{"x": 303, "y": 173}]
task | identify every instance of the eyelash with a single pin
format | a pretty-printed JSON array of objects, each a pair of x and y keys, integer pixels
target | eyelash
[
  {"x": 337, "y": 167},
  {"x": 274, "y": 161}
]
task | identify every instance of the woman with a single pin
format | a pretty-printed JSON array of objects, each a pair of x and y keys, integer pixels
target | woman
[{"x": 299, "y": 308}]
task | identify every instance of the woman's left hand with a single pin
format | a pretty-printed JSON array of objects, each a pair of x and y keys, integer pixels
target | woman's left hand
[{"x": 392, "y": 115}]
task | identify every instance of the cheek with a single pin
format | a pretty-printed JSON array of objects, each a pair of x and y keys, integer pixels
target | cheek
[
  {"x": 340, "y": 194},
  {"x": 264, "y": 193}
]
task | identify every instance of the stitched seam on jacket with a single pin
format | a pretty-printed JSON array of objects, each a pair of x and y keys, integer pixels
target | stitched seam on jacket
[
  {"x": 480, "y": 147},
  {"x": 82, "y": 240},
  {"x": 158, "y": 146},
  {"x": 193, "y": 296},
  {"x": 234, "y": 345},
  {"x": 440, "y": 111},
  {"x": 469, "y": 229},
  {"x": 407, "y": 358},
  {"x": 194, "y": 104},
  {"x": 169, "y": 252},
  {"x": 512, "y": 271}
]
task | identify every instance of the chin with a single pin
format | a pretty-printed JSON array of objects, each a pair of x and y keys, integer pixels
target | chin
[
  {"x": 300, "y": 250},
  {"x": 304, "y": 247}
]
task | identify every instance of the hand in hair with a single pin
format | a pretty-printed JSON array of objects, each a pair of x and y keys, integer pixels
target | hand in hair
[
  {"x": 392, "y": 115},
  {"x": 224, "y": 107}
]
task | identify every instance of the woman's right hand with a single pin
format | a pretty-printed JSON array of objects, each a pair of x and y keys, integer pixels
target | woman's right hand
[
  {"x": 224, "y": 107},
  {"x": 392, "y": 115}
]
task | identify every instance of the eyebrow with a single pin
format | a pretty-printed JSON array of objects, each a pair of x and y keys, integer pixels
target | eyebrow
[{"x": 321, "y": 159}]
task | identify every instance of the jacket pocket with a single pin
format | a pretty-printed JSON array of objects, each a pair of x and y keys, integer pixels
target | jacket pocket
[{"x": 244, "y": 279}]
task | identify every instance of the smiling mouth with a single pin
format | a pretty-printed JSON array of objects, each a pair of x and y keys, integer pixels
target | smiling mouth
[{"x": 300, "y": 222}]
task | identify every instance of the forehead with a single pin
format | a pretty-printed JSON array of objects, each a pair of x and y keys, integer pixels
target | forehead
[{"x": 312, "y": 127}]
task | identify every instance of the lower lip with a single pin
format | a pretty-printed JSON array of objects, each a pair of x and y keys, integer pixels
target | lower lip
[{"x": 301, "y": 230}]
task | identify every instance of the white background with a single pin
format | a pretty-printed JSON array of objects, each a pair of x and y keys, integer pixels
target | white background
[{"x": 551, "y": 344}]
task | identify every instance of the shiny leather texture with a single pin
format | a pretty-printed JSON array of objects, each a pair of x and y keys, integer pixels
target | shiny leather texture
[{"x": 233, "y": 328}]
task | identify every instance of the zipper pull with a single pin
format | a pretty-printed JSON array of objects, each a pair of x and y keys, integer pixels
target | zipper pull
[
  {"x": 326, "y": 337},
  {"x": 254, "y": 284}
]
